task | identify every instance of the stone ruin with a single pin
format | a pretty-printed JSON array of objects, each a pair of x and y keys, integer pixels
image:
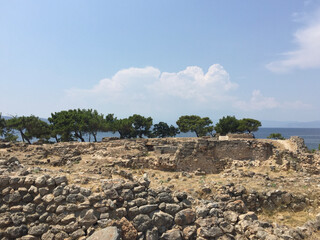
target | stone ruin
[{"x": 45, "y": 206}]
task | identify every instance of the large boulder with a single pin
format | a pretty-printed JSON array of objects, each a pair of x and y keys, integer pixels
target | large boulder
[
  {"x": 142, "y": 222},
  {"x": 162, "y": 221},
  {"x": 185, "y": 217}
]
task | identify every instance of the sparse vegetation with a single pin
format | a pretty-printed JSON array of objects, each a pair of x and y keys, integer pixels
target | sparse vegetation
[{"x": 277, "y": 136}]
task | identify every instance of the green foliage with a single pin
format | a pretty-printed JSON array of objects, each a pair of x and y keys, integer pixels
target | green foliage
[
  {"x": 123, "y": 127},
  {"x": 228, "y": 124},
  {"x": 6, "y": 132},
  {"x": 249, "y": 125},
  {"x": 276, "y": 136},
  {"x": 2, "y": 125},
  {"x": 319, "y": 147},
  {"x": 200, "y": 126},
  {"x": 62, "y": 126},
  {"x": 163, "y": 130},
  {"x": 110, "y": 119},
  {"x": 93, "y": 122},
  {"x": 132, "y": 127},
  {"x": 29, "y": 128},
  {"x": 141, "y": 125},
  {"x": 74, "y": 124}
]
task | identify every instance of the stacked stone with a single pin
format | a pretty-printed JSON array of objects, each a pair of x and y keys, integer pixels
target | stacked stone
[
  {"x": 269, "y": 200},
  {"x": 27, "y": 204},
  {"x": 45, "y": 207},
  {"x": 8, "y": 165}
]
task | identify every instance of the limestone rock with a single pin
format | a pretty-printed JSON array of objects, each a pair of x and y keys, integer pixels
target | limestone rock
[
  {"x": 15, "y": 232},
  {"x": 5, "y": 219},
  {"x": 152, "y": 234},
  {"x": 185, "y": 217},
  {"x": 109, "y": 233},
  {"x": 230, "y": 216},
  {"x": 77, "y": 234},
  {"x": 209, "y": 233},
  {"x": 189, "y": 232},
  {"x": 60, "y": 179},
  {"x": 38, "y": 229},
  {"x": 30, "y": 237},
  {"x": 174, "y": 234},
  {"x": 148, "y": 208},
  {"x": 162, "y": 221},
  {"x": 142, "y": 222},
  {"x": 88, "y": 218},
  {"x": 127, "y": 229}
]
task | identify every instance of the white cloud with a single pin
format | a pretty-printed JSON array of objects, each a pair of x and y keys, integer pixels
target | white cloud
[
  {"x": 150, "y": 92},
  {"x": 307, "y": 54},
  {"x": 126, "y": 83},
  {"x": 259, "y": 102},
  {"x": 147, "y": 89},
  {"x": 192, "y": 83}
]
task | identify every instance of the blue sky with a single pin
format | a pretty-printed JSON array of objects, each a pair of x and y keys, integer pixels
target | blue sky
[{"x": 164, "y": 59}]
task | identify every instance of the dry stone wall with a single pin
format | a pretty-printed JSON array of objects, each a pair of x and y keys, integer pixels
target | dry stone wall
[
  {"x": 47, "y": 207},
  {"x": 190, "y": 154},
  {"x": 183, "y": 154}
]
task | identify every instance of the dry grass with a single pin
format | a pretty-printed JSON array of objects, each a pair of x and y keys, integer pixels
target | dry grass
[{"x": 289, "y": 218}]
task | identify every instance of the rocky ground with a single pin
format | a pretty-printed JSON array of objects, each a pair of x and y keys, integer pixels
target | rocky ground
[{"x": 193, "y": 188}]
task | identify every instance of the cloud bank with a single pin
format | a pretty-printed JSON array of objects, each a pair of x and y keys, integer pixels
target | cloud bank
[
  {"x": 143, "y": 89},
  {"x": 307, "y": 54},
  {"x": 149, "y": 91}
]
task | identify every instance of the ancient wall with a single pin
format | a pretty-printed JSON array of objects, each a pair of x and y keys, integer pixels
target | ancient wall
[
  {"x": 183, "y": 154},
  {"x": 46, "y": 207},
  {"x": 209, "y": 155}
]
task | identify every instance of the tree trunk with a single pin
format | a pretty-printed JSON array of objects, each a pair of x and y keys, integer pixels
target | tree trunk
[
  {"x": 121, "y": 136},
  {"x": 25, "y": 137},
  {"x": 94, "y": 136},
  {"x": 21, "y": 133},
  {"x": 79, "y": 135}
]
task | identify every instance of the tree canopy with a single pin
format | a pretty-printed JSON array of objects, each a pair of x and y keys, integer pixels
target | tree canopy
[
  {"x": 248, "y": 124},
  {"x": 141, "y": 125},
  {"x": 123, "y": 127},
  {"x": 93, "y": 123},
  {"x": 228, "y": 124},
  {"x": 131, "y": 127},
  {"x": 193, "y": 123},
  {"x": 163, "y": 130},
  {"x": 2, "y": 125},
  {"x": 74, "y": 124},
  {"x": 29, "y": 127},
  {"x": 85, "y": 124}
]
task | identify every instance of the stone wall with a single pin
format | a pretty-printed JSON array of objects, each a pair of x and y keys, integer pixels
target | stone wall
[
  {"x": 190, "y": 154},
  {"x": 46, "y": 207},
  {"x": 182, "y": 154}
]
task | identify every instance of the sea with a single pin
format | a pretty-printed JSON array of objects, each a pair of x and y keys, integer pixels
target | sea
[{"x": 311, "y": 136}]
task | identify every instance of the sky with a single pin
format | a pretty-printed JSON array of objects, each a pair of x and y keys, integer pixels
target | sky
[{"x": 164, "y": 59}]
